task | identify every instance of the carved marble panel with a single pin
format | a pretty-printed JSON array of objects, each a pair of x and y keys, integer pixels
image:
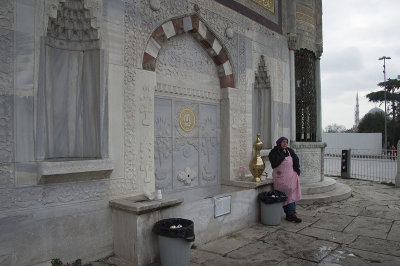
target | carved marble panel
[
  {"x": 141, "y": 20},
  {"x": 6, "y": 128},
  {"x": 36, "y": 197},
  {"x": 186, "y": 158},
  {"x": 6, "y": 175},
  {"x": 208, "y": 120},
  {"x": 209, "y": 160},
  {"x": 6, "y": 14},
  {"x": 181, "y": 60},
  {"x": 311, "y": 163},
  {"x": 6, "y": 57}
]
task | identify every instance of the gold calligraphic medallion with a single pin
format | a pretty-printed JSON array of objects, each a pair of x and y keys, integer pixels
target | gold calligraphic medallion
[
  {"x": 268, "y": 4},
  {"x": 187, "y": 119}
]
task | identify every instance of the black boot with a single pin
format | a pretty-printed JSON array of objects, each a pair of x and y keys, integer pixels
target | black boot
[{"x": 293, "y": 218}]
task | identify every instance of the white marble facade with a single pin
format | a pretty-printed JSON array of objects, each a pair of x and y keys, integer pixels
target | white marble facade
[{"x": 67, "y": 149}]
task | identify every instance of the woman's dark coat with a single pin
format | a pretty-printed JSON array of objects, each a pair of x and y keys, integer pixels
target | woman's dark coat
[{"x": 276, "y": 157}]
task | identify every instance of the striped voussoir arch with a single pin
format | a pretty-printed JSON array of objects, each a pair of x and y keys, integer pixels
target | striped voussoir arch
[{"x": 199, "y": 30}]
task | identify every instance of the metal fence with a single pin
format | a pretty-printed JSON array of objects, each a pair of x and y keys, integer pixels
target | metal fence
[{"x": 373, "y": 165}]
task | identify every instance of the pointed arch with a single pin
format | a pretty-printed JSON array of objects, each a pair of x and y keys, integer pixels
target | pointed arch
[{"x": 202, "y": 34}]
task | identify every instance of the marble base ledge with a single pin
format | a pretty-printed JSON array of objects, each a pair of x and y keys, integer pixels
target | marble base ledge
[
  {"x": 74, "y": 170},
  {"x": 140, "y": 204},
  {"x": 247, "y": 183}
]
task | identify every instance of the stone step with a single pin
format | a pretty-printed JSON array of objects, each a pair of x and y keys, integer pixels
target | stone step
[
  {"x": 328, "y": 184},
  {"x": 341, "y": 192}
]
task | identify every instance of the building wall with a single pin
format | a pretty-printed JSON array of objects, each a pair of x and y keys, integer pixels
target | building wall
[
  {"x": 362, "y": 141},
  {"x": 68, "y": 217}
]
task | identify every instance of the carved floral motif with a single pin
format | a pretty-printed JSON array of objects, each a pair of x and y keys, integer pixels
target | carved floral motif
[{"x": 187, "y": 176}]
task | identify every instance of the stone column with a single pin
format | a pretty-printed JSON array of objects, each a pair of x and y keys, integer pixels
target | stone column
[
  {"x": 318, "y": 53},
  {"x": 292, "y": 42},
  {"x": 397, "y": 180},
  {"x": 318, "y": 95}
]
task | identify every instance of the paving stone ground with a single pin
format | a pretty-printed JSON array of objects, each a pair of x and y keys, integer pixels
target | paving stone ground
[{"x": 362, "y": 230}]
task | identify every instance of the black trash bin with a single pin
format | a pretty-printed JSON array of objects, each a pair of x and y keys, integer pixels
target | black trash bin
[
  {"x": 271, "y": 203},
  {"x": 174, "y": 237}
]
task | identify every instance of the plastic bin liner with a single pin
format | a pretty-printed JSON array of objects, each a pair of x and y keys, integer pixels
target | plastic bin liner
[
  {"x": 183, "y": 228},
  {"x": 272, "y": 196}
]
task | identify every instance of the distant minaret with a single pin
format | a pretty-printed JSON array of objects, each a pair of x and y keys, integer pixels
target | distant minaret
[{"x": 357, "y": 113}]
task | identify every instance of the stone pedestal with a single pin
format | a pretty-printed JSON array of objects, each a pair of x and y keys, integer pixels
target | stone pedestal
[
  {"x": 311, "y": 156},
  {"x": 315, "y": 187}
]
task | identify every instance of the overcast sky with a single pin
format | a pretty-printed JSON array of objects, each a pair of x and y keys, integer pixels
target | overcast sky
[{"x": 355, "y": 34}]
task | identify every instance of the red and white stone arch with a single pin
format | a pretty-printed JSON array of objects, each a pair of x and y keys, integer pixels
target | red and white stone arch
[{"x": 202, "y": 34}]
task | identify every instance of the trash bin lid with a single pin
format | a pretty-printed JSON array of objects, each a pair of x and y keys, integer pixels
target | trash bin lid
[{"x": 175, "y": 228}]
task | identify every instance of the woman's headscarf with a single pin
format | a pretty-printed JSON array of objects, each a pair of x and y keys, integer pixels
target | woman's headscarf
[{"x": 279, "y": 142}]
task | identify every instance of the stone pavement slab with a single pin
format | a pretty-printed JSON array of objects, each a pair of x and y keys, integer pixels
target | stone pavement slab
[
  {"x": 394, "y": 233},
  {"x": 388, "y": 211},
  {"x": 331, "y": 221},
  {"x": 294, "y": 227},
  {"x": 296, "y": 262},
  {"x": 333, "y": 236},
  {"x": 254, "y": 233},
  {"x": 369, "y": 226},
  {"x": 347, "y": 256},
  {"x": 259, "y": 252},
  {"x": 350, "y": 209},
  {"x": 288, "y": 241},
  {"x": 381, "y": 246},
  {"x": 224, "y": 245},
  {"x": 200, "y": 256},
  {"x": 315, "y": 251}
]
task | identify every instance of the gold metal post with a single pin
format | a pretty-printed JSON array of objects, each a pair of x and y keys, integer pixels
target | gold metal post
[{"x": 256, "y": 164}]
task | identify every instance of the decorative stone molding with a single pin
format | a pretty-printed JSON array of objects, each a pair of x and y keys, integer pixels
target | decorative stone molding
[
  {"x": 229, "y": 33},
  {"x": 200, "y": 31},
  {"x": 6, "y": 59},
  {"x": 94, "y": 8},
  {"x": 48, "y": 171},
  {"x": 7, "y": 14},
  {"x": 307, "y": 145},
  {"x": 6, "y": 126},
  {"x": 72, "y": 28},
  {"x": 40, "y": 197},
  {"x": 155, "y": 4},
  {"x": 187, "y": 176}
]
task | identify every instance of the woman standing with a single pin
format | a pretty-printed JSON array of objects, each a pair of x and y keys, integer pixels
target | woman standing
[{"x": 286, "y": 171}]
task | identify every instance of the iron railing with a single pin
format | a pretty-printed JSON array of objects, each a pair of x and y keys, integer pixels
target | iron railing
[{"x": 373, "y": 165}]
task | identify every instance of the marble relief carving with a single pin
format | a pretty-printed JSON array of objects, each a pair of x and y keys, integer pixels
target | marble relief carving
[
  {"x": 6, "y": 175},
  {"x": 186, "y": 156},
  {"x": 187, "y": 176},
  {"x": 6, "y": 57},
  {"x": 146, "y": 153},
  {"x": 6, "y": 128},
  {"x": 183, "y": 57},
  {"x": 95, "y": 7},
  {"x": 146, "y": 106},
  {"x": 6, "y": 14},
  {"x": 311, "y": 163},
  {"x": 51, "y": 195},
  {"x": 141, "y": 20}
]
